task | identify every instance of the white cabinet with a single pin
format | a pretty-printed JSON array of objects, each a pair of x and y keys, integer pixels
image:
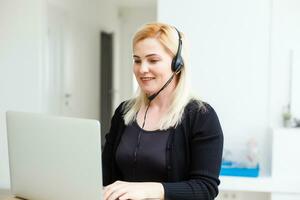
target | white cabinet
[
  {"x": 286, "y": 164},
  {"x": 285, "y": 155}
]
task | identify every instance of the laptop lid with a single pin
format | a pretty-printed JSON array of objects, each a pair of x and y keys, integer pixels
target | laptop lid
[{"x": 54, "y": 158}]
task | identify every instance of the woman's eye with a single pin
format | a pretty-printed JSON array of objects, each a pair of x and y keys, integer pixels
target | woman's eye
[
  {"x": 153, "y": 61},
  {"x": 137, "y": 61}
]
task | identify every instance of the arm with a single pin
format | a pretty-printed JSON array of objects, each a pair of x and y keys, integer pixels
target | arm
[
  {"x": 206, "y": 146},
  {"x": 108, "y": 167}
]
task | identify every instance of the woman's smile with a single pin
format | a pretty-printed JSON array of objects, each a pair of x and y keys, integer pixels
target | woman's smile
[{"x": 147, "y": 79}]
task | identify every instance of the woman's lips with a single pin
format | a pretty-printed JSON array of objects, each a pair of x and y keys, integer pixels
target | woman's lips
[{"x": 147, "y": 78}]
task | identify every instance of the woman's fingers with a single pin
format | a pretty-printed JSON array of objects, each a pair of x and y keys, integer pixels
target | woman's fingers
[
  {"x": 111, "y": 191},
  {"x": 117, "y": 194},
  {"x": 124, "y": 197}
]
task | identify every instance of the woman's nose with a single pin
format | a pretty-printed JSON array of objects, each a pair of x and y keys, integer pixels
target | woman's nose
[{"x": 144, "y": 67}]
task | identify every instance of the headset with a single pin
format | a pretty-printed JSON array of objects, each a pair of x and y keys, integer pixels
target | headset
[
  {"x": 176, "y": 66},
  {"x": 177, "y": 62}
]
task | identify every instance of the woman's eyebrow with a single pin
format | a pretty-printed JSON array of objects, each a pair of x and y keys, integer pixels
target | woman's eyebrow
[
  {"x": 152, "y": 54},
  {"x": 149, "y": 55}
]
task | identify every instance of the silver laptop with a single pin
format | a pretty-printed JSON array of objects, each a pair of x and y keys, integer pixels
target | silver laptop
[{"x": 54, "y": 158}]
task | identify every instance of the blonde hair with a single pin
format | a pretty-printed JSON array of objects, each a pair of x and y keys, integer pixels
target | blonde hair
[{"x": 168, "y": 37}]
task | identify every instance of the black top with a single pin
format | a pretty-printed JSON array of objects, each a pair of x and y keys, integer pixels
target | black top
[
  {"x": 194, "y": 153},
  {"x": 141, "y": 154}
]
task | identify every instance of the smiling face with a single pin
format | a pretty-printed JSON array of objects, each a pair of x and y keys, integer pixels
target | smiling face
[{"x": 152, "y": 65}]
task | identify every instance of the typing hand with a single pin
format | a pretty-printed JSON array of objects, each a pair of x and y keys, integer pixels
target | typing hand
[{"x": 121, "y": 190}]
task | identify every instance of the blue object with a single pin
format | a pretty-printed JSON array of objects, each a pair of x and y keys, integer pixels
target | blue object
[{"x": 232, "y": 169}]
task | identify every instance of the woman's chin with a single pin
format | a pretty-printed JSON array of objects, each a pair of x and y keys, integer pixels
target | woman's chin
[{"x": 147, "y": 90}]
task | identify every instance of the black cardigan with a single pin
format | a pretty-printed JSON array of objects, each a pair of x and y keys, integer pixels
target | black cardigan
[{"x": 194, "y": 154}]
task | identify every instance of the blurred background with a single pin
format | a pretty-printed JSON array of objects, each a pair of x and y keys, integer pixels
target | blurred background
[{"x": 74, "y": 58}]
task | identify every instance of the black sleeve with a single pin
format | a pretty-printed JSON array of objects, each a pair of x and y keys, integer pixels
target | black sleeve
[
  {"x": 206, "y": 147},
  {"x": 108, "y": 164}
]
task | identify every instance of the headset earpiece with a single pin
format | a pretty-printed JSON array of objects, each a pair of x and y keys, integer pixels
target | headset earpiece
[{"x": 177, "y": 62}]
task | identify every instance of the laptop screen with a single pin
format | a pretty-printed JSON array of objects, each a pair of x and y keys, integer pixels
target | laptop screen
[{"x": 54, "y": 157}]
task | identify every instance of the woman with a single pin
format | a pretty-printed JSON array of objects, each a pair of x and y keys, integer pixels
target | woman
[{"x": 164, "y": 143}]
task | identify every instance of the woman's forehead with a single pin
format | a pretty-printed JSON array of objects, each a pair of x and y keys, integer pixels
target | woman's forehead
[{"x": 149, "y": 46}]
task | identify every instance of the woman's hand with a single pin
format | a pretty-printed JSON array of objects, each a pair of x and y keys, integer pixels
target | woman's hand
[{"x": 121, "y": 190}]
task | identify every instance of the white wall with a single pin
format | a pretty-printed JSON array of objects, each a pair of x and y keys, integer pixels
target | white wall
[
  {"x": 21, "y": 25},
  {"x": 23, "y": 71},
  {"x": 131, "y": 18},
  {"x": 285, "y": 41},
  {"x": 83, "y": 24},
  {"x": 229, "y": 62}
]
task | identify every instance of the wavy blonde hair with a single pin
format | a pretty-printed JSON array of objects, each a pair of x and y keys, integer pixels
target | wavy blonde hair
[{"x": 168, "y": 37}]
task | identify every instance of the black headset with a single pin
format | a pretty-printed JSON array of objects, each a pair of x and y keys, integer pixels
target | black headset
[{"x": 177, "y": 62}]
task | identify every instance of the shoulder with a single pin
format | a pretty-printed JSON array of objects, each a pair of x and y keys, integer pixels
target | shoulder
[
  {"x": 119, "y": 111},
  {"x": 202, "y": 116},
  {"x": 198, "y": 107},
  {"x": 124, "y": 107}
]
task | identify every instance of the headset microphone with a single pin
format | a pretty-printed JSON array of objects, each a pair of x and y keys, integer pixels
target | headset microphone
[{"x": 151, "y": 97}]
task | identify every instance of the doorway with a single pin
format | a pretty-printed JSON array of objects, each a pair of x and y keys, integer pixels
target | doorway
[{"x": 106, "y": 89}]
